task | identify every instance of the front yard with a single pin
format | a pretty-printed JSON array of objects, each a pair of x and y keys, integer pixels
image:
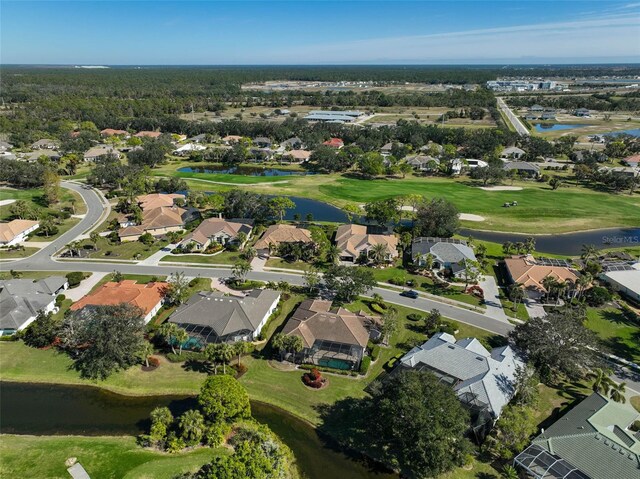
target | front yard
[
  {"x": 225, "y": 257},
  {"x": 128, "y": 250},
  {"x": 21, "y": 252},
  {"x": 618, "y": 334}
]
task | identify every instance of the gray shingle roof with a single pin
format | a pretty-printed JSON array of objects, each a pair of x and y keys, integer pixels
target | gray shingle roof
[
  {"x": 226, "y": 314},
  {"x": 21, "y": 299},
  {"x": 445, "y": 250},
  {"x": 488, "y": 376}
]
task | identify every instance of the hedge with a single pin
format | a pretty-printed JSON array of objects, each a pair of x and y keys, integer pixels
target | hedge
[
  {"x": 377, "y": 308},
  {"x": 364, "y": 365},
  {"x": 415, "y": 317},
  {"x": 342, "y": 372},
  {"x": 74, "y": 278},
  {"x": 375, "y": 352}
]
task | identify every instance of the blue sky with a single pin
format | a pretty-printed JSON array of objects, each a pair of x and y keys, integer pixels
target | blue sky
[{"x": 318, "y": 32}]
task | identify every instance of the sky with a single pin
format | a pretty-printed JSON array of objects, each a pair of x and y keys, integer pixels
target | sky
[{"x": 318, "y": 32}]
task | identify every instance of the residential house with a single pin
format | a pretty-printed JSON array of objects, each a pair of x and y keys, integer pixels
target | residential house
[
  {"x": 423, "y": 162},
  {"x": 388, "y": 147},
  {"x": 530, "y": 273},
  {"x": 523, "y": 167},
  {"x": 160, "y": 215},
  {"x": 296, "y": 156},
  {"x": 293, "y": 143},
  {"x": 4, "y": 146},
  {"x": 100, "y": 150},
  {"x": 7, "y": 155},
  {"x": 582, "y": 112},
  {"x": 625, "y": 280},
  {"x": 22, "y": 299},
  {"x": 148, "y": 134},
  {"x": 147, "y": 297},
  {"x": 531, "y": 116},
  {"x": 16, "y": 231},
  {"x": 330, "y": 116},
  {"x": 354, "y": 243},
  {"x": 632, "y": 161},
  {"x": 483, "y": 380},
  {"x": 262, "y": 142},
  {"x": 111, "y": 132},
  {"x": 44, "y": 144},
  {"x": 201, "y": 138},
  {"x": 259, "y": 155},
  {"x": 217, "y": 230},
  {"x": 336, "y": 143},
  {"x": 275, "y": 235},
  {"x": 184, "y": 150},
  {"x": 593, "y": 440},
  {"x": 449, "y": 255},
  {"x": 231, "y": 139},
  {"x": 336, "y": 339},
  {"x": 536, "y": 107},
  {"x": 548, "y": 115},
  {"x": 512, "y": 153},
  {"x": 212, "y": 317},
  {"x": 34, "y": 156}
]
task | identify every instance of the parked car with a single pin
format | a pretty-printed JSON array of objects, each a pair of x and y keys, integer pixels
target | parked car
[{"x": 410, "y": 294}]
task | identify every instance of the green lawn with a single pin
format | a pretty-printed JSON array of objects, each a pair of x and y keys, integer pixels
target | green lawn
[
  {"x": 4, "y": 274},
  {"x": 102, "y": 457},
  {"x": 126, "y": 250},
  {"x": 225, "y": 257},
  {"x": 35, "y": 198},
  {"x": 618, "y": 334},
  {"x": 225, "y": 178},
  {"x": 280, "y": 263},
  {"x": 17, "y": 253}
]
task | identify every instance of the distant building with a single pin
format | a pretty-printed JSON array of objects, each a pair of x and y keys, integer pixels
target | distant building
[
  {"x": 296, "y": 156},
  {"x": 473, "y": 163},
  {"x": 112, "y": 132},
  {"x": 188, "y": 148},
  {"x": 582, "y": 112},
  {"x": 536, "y": 108},
  {"x": 334, "y": 143},
  {"x": 22, "y": 299},
  {"x": 262, "y": 142},
  {"x": 148, "y": 134},
  {"x": 331, "y": 116},
  {"x": 523, "y": 168},
  {"x": 100, "y": 150},
  {"x": 44, "y": 144},
  {"x": 625, "y": 281},
  {"x": 512, "y": 153},
  {"x": 16, "y": 231},
  {"x": 231, "y": 139}
]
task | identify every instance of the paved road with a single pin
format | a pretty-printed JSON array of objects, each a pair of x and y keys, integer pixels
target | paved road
[{"x": 515, "y": 121}]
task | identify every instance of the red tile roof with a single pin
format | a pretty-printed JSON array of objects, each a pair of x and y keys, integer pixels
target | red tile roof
[{"x": 144, "y": 296}]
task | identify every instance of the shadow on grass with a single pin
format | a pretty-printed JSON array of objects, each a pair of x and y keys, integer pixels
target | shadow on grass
[{"x": 197, "y": 366}]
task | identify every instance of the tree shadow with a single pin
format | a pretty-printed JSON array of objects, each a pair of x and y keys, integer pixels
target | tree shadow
[{"x": 194, "y": 365}]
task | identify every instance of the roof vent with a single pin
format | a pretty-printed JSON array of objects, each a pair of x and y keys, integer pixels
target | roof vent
[{"x": 451, "y": 347}]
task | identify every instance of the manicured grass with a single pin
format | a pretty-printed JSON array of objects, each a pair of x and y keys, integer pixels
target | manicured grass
[
  {"x": 6, "y": 274},
  {"x": 618, "y": 334},
  {"x": 125, "y": 250},
  {"x": 17, "y": 253},
  {"x": 102, "y": 457},
  {"x": 635, "y": 402},
  {"x": 226, "y": 257},
  {"x": 287, "y": 304},
  {"x": 19, "y": 362},
  {"x": 280, "y": 263},
  {"x": 225, "y": 178}
]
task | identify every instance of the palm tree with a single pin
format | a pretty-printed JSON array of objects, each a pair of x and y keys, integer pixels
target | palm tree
[
  {"x": 146, "y": 350},
  {"x": 225, "y": 354},
  {"x": 582, "y": 282},
  {"x": 212, "y": 353},
  {"x": 561, "y": 288},
  {"x": 333, "y": 254},
  {"x": 428, "y": 261},
  {"x": 617, "y": 392},
  {"x": 241, "y": 238},
  {"x": 588, "y": 251},
  {"x": 241, "y": 269},
  {"x": 508, "y": 471},
  {"x": 519, "y": 247},
  {"x": 168, "y": 332},
  {"x": 378, "y": 253},
  {"x": 94, "y": 237},
  {"x": 192, "y": 426},
  {"x": 549, "y": 283},
  {"x": 530, "y": 245},
  {"x": 240, "y": 348},
  {"x": 507, "y": 246},
  {"x": 181, "y": 337},
  {"x": 249, "y": 253},
  {"x": 278, "y": 342},
  {"x": 516, "y": 294},
  {"x": 601, "y": 381}
]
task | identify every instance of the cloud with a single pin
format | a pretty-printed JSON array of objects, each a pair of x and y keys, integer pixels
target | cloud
[{"x": 603, "y": 36}]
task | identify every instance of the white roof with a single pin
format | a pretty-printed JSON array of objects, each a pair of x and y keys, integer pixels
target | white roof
[
  {"x": 190, "y": 147},
  {"x": 630, "y": 279}
]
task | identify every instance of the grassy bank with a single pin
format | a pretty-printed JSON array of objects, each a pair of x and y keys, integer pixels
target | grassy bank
[{"x": 102, "y": 457}]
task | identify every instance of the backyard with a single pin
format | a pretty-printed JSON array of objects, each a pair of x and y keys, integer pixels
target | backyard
[{"x": 618, "y": 334}]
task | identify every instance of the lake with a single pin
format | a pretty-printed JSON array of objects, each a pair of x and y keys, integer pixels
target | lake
[
  {"x": 542, "y": 127},
  {"x": 53, "y": 409},
  {"x": 569, "y": 244},
  {"x": 244, "y": 171}
]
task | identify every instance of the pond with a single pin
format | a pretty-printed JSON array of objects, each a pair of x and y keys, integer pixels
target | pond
[
  {"x": 243, "y": 170},
  {"x": 52, "y": 409},
  {"x": 569, "y": 244},
  {"x": 542, "y": 127}
]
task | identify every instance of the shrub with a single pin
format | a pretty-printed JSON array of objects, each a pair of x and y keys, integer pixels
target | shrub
[
  {"x": 240, "y": 369},
  {"x": 377, "y": 308},
  {"x": 13, "y": 337},
  {"x": 74, "y": 278},
  {"x": 375, "y": 352},
  {"x": 153, "y": 362},
  {"x": 342, "y": 372},
  {"x": 60, "y": 299},
  {"x": 313, "y": 379},
  {"x": 186, "y": 356},
  {"x": 449, "y": 327},
  {"x": 597, "y": 296},
  {"x": 415, "y": 317},
  {"x": 391, "y": 363},
  {"x": 364, "y": 365},
  {"x": 635, "y": 426},
  {"x": 398, "y": 281}
]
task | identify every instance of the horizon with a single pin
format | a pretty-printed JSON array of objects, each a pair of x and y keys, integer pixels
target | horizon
[{"x": 326, "y": 33}]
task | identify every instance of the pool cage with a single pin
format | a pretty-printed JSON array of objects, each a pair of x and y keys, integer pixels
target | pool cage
[
  {"x": 200, "y": 336},
  {"x": 331, "y": 354},
  {"x": 538, "y": 463}
]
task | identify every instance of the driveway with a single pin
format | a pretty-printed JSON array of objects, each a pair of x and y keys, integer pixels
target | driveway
[
  {"x": 84, "y": 287},
  {"x": 492, "y": 299}
]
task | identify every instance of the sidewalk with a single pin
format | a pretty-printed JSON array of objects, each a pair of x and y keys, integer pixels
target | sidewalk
[
  {"x": 492, "y": 299},
  {"x": 258, "y": 263}
]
